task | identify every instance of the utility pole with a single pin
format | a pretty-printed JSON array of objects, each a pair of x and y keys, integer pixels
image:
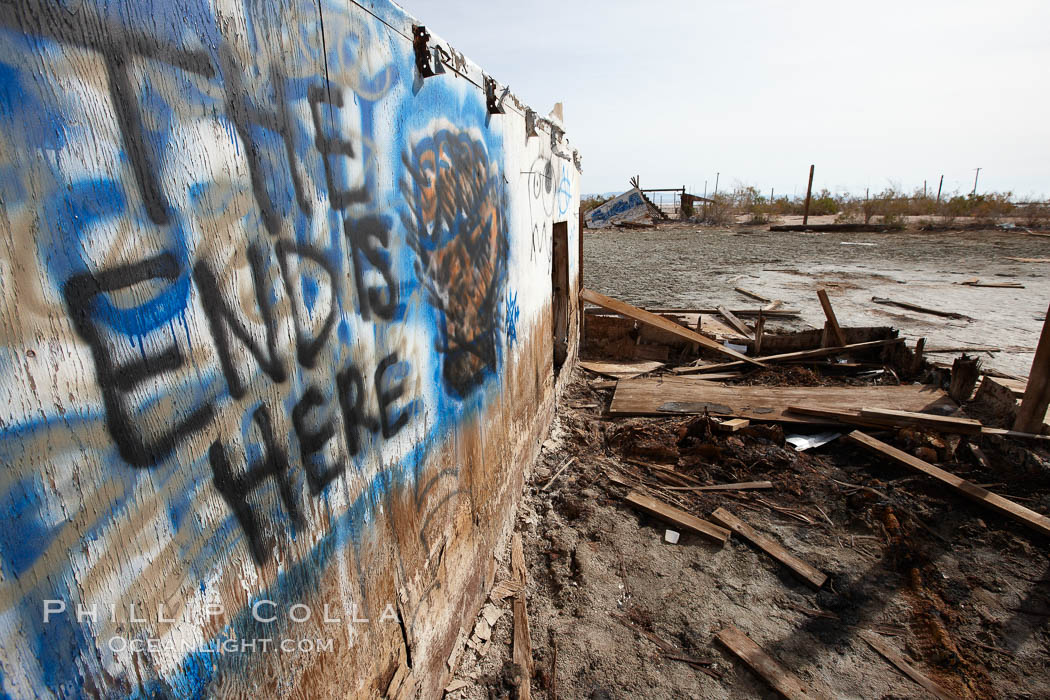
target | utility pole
[
  {"x": 974, "y": 193},
  {"x": 809, "y": 194},
  {"x": 939, "y": 188},
  {"x": 716, "y": 182},
  {"x": 924, "y": 189}
]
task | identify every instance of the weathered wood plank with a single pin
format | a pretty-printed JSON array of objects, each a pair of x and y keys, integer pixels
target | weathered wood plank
[
  {"x": 800, "y": 355},
  {"x": 807, "y": 572},
  {"x": 829, "y": 313},
  {"x": 671, "y": 395},
  {"x": 910, "y": 671},
  {"x": 947, "y": 424},
  {"x": 660, "y": 322},
  {"x": 678, "y": 517},
  {"x": 735, "y": 323},
  {"x": 782, "y": 680},
  {"x": 1004, "y": 506}
]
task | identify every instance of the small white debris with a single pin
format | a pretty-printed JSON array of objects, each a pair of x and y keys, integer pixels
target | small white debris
[{"x": 671, "y": 537}]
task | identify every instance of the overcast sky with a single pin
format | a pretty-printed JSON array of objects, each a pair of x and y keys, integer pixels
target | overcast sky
[{"x": 872, "y": 93}]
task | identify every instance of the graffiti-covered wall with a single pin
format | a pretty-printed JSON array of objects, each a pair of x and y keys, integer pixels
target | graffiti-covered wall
[{"x": 275, "y": 342}]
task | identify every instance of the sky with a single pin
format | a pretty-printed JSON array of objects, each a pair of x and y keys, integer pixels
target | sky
[{"x": 753, "y": 92}]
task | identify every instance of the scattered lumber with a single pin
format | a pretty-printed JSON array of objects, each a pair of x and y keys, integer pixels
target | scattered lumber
[
  {"x": 800, "y": 355},
  {"x": 735, "y": 322},
  {"x": 678, "y": 517},
  {"x": 1032, "y": 413},
  {"x": 621, "y": 370},
  {"x": 907, "y": 669},
  {"x": 782, "y": 680},
  {"x": 997, "y": 285},
  {"x": 757, "y": 297},
  {"x": 1004, "y": 506},
  {"x": 522, "y": 645},
  {"x": 742, "y": 486},
  {"x": 920, "y": 309},
  {"x": 732, "y": 425},
  {"x": 808, "y": 573},
  {"x": 657, "y": 396},
  {"x": 829, "y": 313},
  {"x": 771, "y": 306},
  {"x": 660, "y": 322},
  {"x": 946, "y": 424},
  {"x": 1029, "y": 260}
]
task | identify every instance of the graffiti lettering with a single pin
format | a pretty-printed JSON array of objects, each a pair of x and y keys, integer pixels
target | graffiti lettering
[
  {"x": 235, "y": 489},
  {"x": 84, "y": 293}
]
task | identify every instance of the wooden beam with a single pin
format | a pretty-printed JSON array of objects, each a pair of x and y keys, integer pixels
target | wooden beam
[
  {"x": 851, "y": 417},
  {"x": 1018, "y": 513},
  {"x": 946, "y": 424},
  {"x": 735, "y": 322},
  {"x": 1032, "y": 413},
  {"x": 782, "y": 680},
  {"x": 920, "y": 309},
  {"x": 643, "y": 316},
  {"x": 995, "y": 285},
  {"x": 808, "y": 573},
  {"x": 906, "y": 668},
  {"x": 678, "y": 517},
  {"x": 800, "y": 355},
  {"x": 757, "y": 297},
  {"x": 829, "y": 313}
]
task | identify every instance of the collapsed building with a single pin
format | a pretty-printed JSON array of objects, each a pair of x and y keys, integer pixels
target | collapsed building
[{"x": 286, "y": 293}]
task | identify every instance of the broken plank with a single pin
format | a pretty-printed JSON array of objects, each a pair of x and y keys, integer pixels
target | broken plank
[
  {"x": 660, "y": 322},
  {"x": 1029, "y": 260},
  {"x": 621, "y": 370},
  {"x": 920, "y": 309},
  {"x": 947, "y": 424},
  {"x": 994, "y": 285},
  {"x": 669, "y": 395},
  {"x": 742, "y": 486},
  {"x": 680, "y": 518},
  {"x": 1004, "y": 506},
  {"x": 907, "y": 669},
  {"x": 782, "y": 680},
  {"x": 521, "y": 652},
  {"x": 829, "y": 313},
  {"x": 784, "y": 357},
  {"x": 757, "y": 297},
  {"x": 732, "y": 425},
  {"x": 810, "y": 574},
  {"x": 735, "y": 322}
]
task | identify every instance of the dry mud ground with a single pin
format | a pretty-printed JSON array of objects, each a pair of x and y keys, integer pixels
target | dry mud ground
[
  {"x": 687, "y": 266},
  {"x": 961, "y": 592}
]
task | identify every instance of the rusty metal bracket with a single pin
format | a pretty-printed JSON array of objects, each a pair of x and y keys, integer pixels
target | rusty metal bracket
[
  {"x": 420, "y": 41},
  {"x": 495, "y": 104}
]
